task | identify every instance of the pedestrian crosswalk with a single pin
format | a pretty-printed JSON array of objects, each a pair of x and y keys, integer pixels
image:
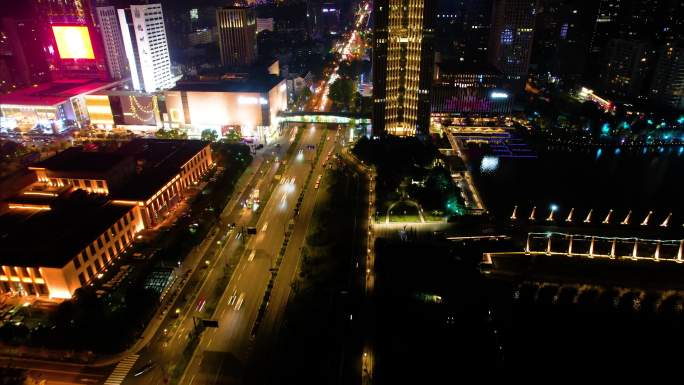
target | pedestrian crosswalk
[{"x": 121, "y": 370}]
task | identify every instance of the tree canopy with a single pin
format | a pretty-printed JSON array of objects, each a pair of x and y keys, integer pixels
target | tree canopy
[
  {"x": 209, "y": 135},
  {"x": 171, "y": 134},
  {"x": 342, "y": 93}
]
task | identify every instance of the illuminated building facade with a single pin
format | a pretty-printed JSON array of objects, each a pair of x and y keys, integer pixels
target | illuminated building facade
[
  {"x": 249, "y": 106},
  {"x": 147, "y": 51},
  {"x": 511, "y": 39},
  {"x": 460, "y": 90},
  {"x": 237, "y": 31},
  {"x": 55, "y": 237},
  {"x": 625, "y": 67},
  {"x": 84, "y": 56},
  {"x": 54, "y": 249},
  {"x": 330, "y": 18},
  {"x": 94, "y": 172},
  {"x": 462, "y": 30},
  {"x": 168, "y": 167},
  {"x": 667, "y": 86},
  {"x": 402, "y": 66},
  {"x": 52, "y": 106},
  {"x": 110, "y": 31},
  {"x": 135, "y": 111}
]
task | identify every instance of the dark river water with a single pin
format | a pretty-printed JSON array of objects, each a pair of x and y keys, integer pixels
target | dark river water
[{"x": 598, "y": 178}]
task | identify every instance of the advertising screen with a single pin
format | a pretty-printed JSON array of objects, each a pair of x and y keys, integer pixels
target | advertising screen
[{"x": 73, "y": 42}]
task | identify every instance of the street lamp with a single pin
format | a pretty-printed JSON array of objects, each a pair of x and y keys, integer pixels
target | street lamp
[{"x": 554, "y": 208}]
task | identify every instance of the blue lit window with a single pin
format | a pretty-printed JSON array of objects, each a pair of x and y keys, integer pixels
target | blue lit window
[
  {"x": 564, "y": 31},
  {"x": 507, "y": 36}
]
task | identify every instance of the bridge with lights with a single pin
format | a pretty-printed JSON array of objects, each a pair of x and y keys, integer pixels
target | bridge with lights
[
  {"x": 324, "y": 117},
  {"x": 595, "y": 246}
]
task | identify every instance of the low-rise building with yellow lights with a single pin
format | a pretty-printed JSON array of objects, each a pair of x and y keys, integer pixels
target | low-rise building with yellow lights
[
  {"x": 51, "y": 250},
  {"x": 168, "y": 167},
  {"x": 86, "y": 208}
]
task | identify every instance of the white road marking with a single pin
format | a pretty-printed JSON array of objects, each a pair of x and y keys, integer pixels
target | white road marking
[
  {"x": 121, "y": 370},
  {"x": 239, "y": 302}
]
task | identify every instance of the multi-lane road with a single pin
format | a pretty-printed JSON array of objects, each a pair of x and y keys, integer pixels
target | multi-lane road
[
  {"x": 220, "y": 356},
  {"x": 222, "y": 353}
]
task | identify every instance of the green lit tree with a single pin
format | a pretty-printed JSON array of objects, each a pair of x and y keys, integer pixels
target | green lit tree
[
  {"x": 171, "y": 134},
  {"x": 209, "y": 135}
]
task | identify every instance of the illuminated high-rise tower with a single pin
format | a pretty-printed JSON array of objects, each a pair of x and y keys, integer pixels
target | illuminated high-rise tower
[
  {"x": 144, "y": 38},
  {"x": 108, "y": 23},
  {"x": 511, "y": 39},
  {"x": 237, "y": 35},
  {"x": 403, "y": 56}
]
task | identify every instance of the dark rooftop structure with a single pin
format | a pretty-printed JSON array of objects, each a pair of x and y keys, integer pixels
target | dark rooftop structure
[
  {"x": 51, "y": 238},
  {"x": 75, "y": 159},
  {"x": 160, "y": 160},
  {"x": 256, "y": 84}
]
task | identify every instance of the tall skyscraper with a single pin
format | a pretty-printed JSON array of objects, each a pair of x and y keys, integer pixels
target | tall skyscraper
[
  {"x": 403, "y": 56},
  {"x": 23, "y": 52},
  {"x": 667, "y": 86},
  {"x": 511, "y": 38},
  {"x": 237, "y": 35},
  {"x": 462, "y": 30},
  {"x": 625, "y": 67},
  {"x": 110, "y": 31},
  {"x": 144, "y": 39}
]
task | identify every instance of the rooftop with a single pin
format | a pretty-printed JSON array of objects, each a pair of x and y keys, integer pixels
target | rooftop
[
  {"x": 53, "y": 93},
  {"x": 262, "y": 84},
  {"x": 76, "y": 159},
  {"x": 51, "y": 238},
  {"x": 162, "y": 159}
]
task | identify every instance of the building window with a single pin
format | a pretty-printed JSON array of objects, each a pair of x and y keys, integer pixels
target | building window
[
  {"x": 91, "y": 247},
  {"x": 25, "y": 272},
  {"x": 42, "y": 289},
  {"x": 77, "y": 263},
  {"x": 91, "y": 270},
  {"x": 98, "y": 264},
  {"x": 99, "y": 243},
  {"x": 82, "y": 279},
  {"x": 100, "y": 184},
  {"x": 31, "y": 289},
  {"x": 106, "y": 237},
  {"x": 120, "y": 244},
  {"x": 36, "y": 272},
  {"x": 111, "y": 253}
]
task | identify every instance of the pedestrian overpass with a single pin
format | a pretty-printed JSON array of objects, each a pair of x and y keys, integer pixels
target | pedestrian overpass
[{"x": 324, "y": 118}]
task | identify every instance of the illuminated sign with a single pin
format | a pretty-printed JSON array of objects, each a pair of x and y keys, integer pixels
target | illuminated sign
[
  {"x": 194, "y": 15},
  {"x": 499, "y": 95},
  {"x": 73, "y": 42},
  {"x": 251, "y": 100}
]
